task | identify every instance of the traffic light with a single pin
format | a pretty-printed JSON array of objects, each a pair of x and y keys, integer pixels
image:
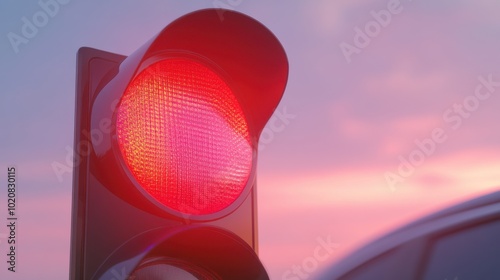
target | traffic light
[{"x": 164, "y": 185}]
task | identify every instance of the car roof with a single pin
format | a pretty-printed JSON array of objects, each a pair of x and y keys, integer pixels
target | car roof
[
  {"x": 394, "y": 238},
  {"x": 474, "y": 203}
]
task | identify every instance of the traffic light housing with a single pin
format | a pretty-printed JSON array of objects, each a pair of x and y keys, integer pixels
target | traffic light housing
[{"x": 167, "y": 138}]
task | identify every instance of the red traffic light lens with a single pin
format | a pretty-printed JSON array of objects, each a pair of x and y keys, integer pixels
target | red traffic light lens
[{"x": 184, "y": 137}]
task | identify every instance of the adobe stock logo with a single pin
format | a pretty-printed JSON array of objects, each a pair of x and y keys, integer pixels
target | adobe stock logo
[
  {"x": 454, "y": 117},
  {"x": 363, "y": 37},
  {"x": 225, "y": 5},
  {"x": 83, "y": 149},
  {"x": 276, "y": 124},
  {"x": 74, "y": 155},
  {"x": 31, "y": 26},
  {"x": 322, "y": 252}
]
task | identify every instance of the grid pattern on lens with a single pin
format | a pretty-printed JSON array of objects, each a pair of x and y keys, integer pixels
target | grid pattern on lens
[{"x": 184, "y": 137}]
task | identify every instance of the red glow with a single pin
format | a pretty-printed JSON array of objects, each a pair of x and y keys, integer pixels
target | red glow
[{"x": 184, "y": 137}]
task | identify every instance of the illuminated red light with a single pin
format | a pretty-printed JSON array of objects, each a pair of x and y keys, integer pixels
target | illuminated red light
[{"x": 183, "y": 136}]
